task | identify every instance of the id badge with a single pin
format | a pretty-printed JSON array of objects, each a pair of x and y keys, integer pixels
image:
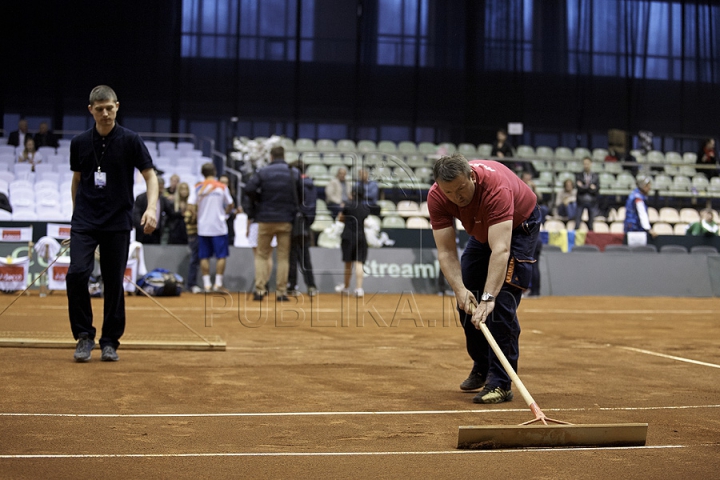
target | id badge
[{"x": 100, "y": 179}]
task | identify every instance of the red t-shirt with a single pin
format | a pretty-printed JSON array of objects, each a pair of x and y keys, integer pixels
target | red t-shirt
[{"x": 500, "y": 195}]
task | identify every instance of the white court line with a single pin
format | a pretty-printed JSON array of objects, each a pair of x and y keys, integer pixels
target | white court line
[
  {"x": 619, "y": 312},
  {"x": 313, "y": 414},
  {"x": 671, "y": 357},
  {"x": 337, "y": 454}
]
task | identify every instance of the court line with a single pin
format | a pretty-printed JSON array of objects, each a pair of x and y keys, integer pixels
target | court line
[
  {"x": 619, "y": 312},
  {"x": 347, "y": 413},
  {"x": 334, "y": 454},
  {"x": 671, "y": 357}
]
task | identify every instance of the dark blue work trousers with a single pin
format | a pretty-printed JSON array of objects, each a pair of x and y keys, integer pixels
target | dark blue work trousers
[
  {"x": 113, "y": 261},
  {"x": 503, "y": 322}
]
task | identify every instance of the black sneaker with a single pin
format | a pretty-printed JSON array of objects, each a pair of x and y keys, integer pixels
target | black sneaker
[
  {"x": 473, "y": 382},
  {"x": 109, "y": 354},
  {"x": 282, "y": 298},
  {"x": 84, "y": 348},
  {"x": 258, "y": 297},
  {"x": 491, "y": 394}
]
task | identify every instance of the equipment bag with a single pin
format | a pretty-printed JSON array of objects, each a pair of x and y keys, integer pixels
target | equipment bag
[{"x": 161, "y": 283}]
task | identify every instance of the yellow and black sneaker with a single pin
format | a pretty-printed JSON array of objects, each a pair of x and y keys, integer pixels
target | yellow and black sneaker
[{"x": 491, "y": 394}]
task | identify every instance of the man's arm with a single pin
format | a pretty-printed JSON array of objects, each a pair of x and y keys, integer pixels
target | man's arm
[
  {"x": 149, "y": 220},
  {"x": 499, "y": 238},
  {"x": 74, "y": 186},
  {"x": 450, "y": 265}
]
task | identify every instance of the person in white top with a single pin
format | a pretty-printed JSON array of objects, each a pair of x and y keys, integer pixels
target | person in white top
[
  {"x": 211, "y": 200},
  {"x": 29, "y": 154}
]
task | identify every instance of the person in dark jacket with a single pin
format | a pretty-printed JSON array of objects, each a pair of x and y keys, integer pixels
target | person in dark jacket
[
  {"x": 274, "y": 204},
  {"x": 300, "y": 245},
  {"x": 164, "y": 212}
]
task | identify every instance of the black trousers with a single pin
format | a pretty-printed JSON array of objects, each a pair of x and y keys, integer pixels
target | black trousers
[
  {"x": 503, "y": 322},
  {"x": 113, "y": 261},
  {"x": 300, "y": 252}
]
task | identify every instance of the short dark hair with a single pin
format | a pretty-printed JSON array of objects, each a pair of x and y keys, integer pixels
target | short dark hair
[
  {"x": 277, "y": 152},
  {"x": 208, "y": 170},
  {"x": 102, "y": 93},
  {"x": 448, "y": 168}
]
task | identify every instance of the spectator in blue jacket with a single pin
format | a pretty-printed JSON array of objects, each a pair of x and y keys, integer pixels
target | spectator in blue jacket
[
  {"x": 274, "y": 206},
  {"x": 370, "y": 187}
]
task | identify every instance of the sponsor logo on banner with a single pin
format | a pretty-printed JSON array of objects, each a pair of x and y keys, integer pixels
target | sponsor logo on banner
[
  {"x": 59, "y": 273},
  {"x": 58, "y": 230},
  {"x": 12, "y": 273},
  {"x": 10, "y": 235}
]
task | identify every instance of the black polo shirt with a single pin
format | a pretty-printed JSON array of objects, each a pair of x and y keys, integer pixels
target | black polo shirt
[{"x": 118, "y": 155}]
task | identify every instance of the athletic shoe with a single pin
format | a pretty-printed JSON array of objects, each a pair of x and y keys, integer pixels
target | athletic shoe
[
  {"x": 220, "y": 289},
  {"x": 294, "y": 293},
  {"x": 282, "y": 298},
  {"x": 84, "y": 348},
  {"x": 196, "y": 289},
  {"x": 109, "y": 354},
  {"x": 359, "y": 292},
  {"x": 312, "y": 291},
  {"x": 491, "y": 394},
  {"x": 473, "y": 382},
  {"x": 258, "y": 297},
  {"x": 342, "y": 290}
]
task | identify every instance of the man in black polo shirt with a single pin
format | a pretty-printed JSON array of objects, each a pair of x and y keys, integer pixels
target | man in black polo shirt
[{"x": 103, "y": 160}]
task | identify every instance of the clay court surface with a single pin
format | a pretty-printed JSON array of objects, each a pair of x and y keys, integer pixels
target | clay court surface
[{"x": 350, "y": 390}]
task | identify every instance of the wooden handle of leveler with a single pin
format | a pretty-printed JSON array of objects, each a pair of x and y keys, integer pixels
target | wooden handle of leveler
[{"x": 508, "y": 368}]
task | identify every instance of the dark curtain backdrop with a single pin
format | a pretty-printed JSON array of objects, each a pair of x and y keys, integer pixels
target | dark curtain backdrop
[{"x": 451, "y": 70}]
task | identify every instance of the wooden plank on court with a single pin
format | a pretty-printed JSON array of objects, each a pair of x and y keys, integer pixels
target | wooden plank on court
[
  {"x": 129, "y": 341},
  {"x": 536, "y": 436}
]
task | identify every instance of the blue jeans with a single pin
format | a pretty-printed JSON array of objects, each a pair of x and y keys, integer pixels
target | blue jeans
[{"x": 503, "y": 322}]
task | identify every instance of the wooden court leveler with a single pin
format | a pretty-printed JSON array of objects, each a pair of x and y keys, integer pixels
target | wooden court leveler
[{"x": 544, "y": 431}]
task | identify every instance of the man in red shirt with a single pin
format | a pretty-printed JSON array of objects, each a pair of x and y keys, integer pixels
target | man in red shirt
[{"x": 500, "y": 213}]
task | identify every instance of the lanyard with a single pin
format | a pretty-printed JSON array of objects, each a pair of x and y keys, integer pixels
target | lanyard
[{"x": 98, "y": 161}]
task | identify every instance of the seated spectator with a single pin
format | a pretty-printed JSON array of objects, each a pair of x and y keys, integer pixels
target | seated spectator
[
  {"x": 17, "y": 137},
  {"x": 706, "y": 227},
  {"x": 44, "y": 137},
  {"x": 29, "y": 153},
  {"x": 502, "y": 148},
  {"x": 707, "y": 158},
  {"x": 565, "y": 201}
]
